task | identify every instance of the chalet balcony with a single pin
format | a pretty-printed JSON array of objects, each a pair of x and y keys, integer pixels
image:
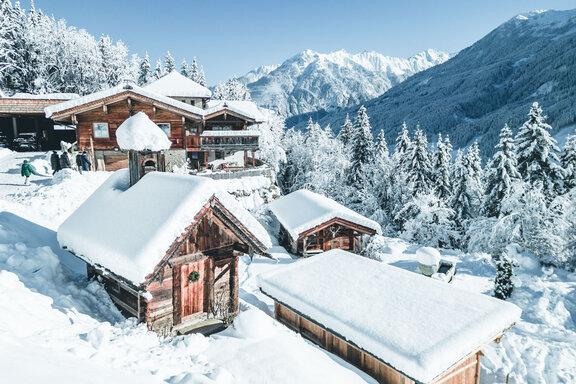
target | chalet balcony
[{"x": 229, "y": 140}]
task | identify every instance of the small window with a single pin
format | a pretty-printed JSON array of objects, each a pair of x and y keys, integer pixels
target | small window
[
  {"x": 165, "y": 128},
  {"x": 192, "y": 102},
  {"x": 101, "y": 130}
]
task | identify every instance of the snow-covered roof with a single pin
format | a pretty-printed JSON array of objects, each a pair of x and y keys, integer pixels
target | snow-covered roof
[
  {"x": 242, "y": 107},
  {"x": 247, "y": 133},
  {"x": 417, "y": 325},
  {"x": 139, "y": 133},
  {"x": 302, "y": 210},
  {"x": 174, "y": 84},
  {"x": 129, "y": 230},
  {"x": 117, "y": 90},
  {"x": 45, "y": 96}
]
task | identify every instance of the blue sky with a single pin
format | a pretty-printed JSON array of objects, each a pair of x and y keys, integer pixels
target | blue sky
[{"x": 231, "y": 37}]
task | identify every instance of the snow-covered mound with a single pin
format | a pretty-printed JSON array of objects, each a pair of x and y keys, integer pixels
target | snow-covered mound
[{"x": 139, "y": 133}]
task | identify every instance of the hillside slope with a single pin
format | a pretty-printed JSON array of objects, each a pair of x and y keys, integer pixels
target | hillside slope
[{"x": 531, "y": 57}]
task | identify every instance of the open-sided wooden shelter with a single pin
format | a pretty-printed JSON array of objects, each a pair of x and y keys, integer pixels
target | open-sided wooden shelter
[
  {"x": 165, "y": 248},
  {"x": 311, "y": 223},
  {"x": 398, "y": 326}
]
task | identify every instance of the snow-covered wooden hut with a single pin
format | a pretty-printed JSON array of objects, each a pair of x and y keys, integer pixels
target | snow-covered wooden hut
[
  {"x": 398, "y": 326},
  {"x": 311, "y": 223},
  {"x": 166, "y": 248}
]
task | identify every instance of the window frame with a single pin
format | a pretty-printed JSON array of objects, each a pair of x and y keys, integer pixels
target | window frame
[
  {"x": 94, "y": 125},
  {"x": 169, "y": 128}
]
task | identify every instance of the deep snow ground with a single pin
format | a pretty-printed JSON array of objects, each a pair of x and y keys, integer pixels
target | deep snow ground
[{"x": 65, "y": 327}]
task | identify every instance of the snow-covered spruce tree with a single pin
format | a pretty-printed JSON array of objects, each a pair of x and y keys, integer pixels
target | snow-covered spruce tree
[
  {"x": 427, "y": 220},
  {"x": 201, "y": 77},
  {"x": 537, "y": 154},
  {"x": 145, "y": 71},
  {"x": 474, "y": 164},
  {"x": 184, "y": 69},
  {"x": 568, "y": 162},
  {"x": 194, "y": 72},
  {"x": 462, "y": 200},
  {"x": 345, "y": 134},
  {"x": 419, "y": 171},
  {"x": 114, "y": 67},
  {"x": 503, "y": 285},
  {"x": 231, "y": 90},
  {"x": 271, "y": 134},
  {"x": 158, "y": 70},
  {"x": 501, "y": 172},
  {"x": 361, "y": 147},
  {"x": 290, "y": 173},
  {"x": 403, "y": 144},
  {"x": 169, "y": 63},
  {"x": 442, "y": 164}
]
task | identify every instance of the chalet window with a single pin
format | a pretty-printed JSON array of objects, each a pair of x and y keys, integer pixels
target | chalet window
[
  {"x": 165, "y": 127},
  {"x": 193, "y": 130},
  {"x": 100, "y": 130},
  {"x": 192, "y": 102},
  {"x": 225, "y": 128}
]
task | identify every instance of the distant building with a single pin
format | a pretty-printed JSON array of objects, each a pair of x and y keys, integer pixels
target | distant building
[
  {"x": 177, "y": 105},
  {"x": 395, "y": 325},
  {"x": 311, "y": 223},
  {"x": 23, "y": 113}
]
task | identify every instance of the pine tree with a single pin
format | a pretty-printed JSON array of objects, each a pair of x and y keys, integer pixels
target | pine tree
[
  {"x": 568, "y": 161},
  {"x": 169, "y": 63},
  {"x": 345, "y": 134},
  {"x": 462, "y": 198},
  {"x": 403, "y": 141},
  {"x": 503, "y": 285},
  {"x": 362, "y": 147},
  {"x": 145, "y": 71},
  {"x": 201, "y": 77},
  {"x": 442, "y": 164},
  {"x": 158, "y": 71},
  {"x": 381, "y": 154},
  {"x": 184, "y": 69},
  {"x": 194, "y": 73},
  {"x": 501, "y": 173},
  {"x": 419, "y": 172},
  {"x": 475, "y": 174},
  {"x": 537, "y": 153}
]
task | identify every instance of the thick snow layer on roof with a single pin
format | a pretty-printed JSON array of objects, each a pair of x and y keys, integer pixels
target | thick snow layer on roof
[
  {"x": 119, "y": 89},
  {"x": 243, "y": 107},
  {"x": 303, "y": 210},
  {"x": 247, "y": 133},
  {"x": 417, "y": 325},
  {"x": 128, "y": 231},
  {"x": 174, "y": 84},
  {"x": 45, "y": 96},
  {"x": 139, "y": 133}
]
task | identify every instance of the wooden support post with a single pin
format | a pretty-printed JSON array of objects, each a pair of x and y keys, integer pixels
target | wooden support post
[
  {"x": 105, "y": 109},
  {"x": 74, "y": 120},
  {"x": 154, "y": 111},
  {"x": 14, "y": 127},
  {"x": 245, "y": 159},
  {"x": 253, "y": 160},
  {"x": 93, "y": 155},
  {"x": 129, "y": 101}
]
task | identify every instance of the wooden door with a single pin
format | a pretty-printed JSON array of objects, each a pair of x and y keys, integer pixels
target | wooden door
[{"x": 193, "y": 285}]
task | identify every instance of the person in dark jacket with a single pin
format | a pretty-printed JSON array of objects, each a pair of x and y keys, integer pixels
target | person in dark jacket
[
  {"x": 64, "y": 161},
  {"x": 82, "y": 162},
  {"x": 26, "y": 171},
  {"x": 55, "y": 162}
]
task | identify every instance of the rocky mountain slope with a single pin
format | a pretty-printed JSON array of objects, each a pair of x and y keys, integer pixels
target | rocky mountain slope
[{"x": 312, "y": 81}]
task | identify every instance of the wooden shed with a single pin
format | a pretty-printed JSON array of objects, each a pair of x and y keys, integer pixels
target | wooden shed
[
  {"x": 311, "y": 223},
  {"x": 165, "y": 248},
  {"x": 396, "y": 325}
]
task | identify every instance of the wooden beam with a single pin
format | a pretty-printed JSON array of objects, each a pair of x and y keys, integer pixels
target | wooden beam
[
  {"x": 129, "y": 101},
  {"x": 105, "y": 109},
  {"x": 154, "y": 110},
  {"x": 74, "y": 120}
]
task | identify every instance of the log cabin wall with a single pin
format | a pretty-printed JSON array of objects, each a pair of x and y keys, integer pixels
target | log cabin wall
[
  {"x": 106, "y": 150},
  {"x": 467, "y": 371}
]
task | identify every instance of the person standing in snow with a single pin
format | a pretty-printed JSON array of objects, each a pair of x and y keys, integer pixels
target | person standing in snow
[
  {"x": 55, "y": 162},
  {"x": 82, "y": 162},
  {"x": 64, "y": 161},
  {"x": 26, "y": 171}
]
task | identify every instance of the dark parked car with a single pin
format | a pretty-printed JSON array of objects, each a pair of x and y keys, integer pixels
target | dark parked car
[
  {"x": 3, "y": 141},
  {"x": 25, "y": 142}
]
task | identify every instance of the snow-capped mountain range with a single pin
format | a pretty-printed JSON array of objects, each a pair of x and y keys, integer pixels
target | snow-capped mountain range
[
  {"x": 312, "y": 81},
  {"x": 531, "y": 57}
]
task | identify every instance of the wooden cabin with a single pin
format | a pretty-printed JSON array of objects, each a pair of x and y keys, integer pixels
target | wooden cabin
[
  {"x": 311, "y": 223},
  {"x": 166, "y": 248},
  {"x": 395, "y": 325},
  {"x": 24, "y": 113},
  {"x": 176, "y": 104}
]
